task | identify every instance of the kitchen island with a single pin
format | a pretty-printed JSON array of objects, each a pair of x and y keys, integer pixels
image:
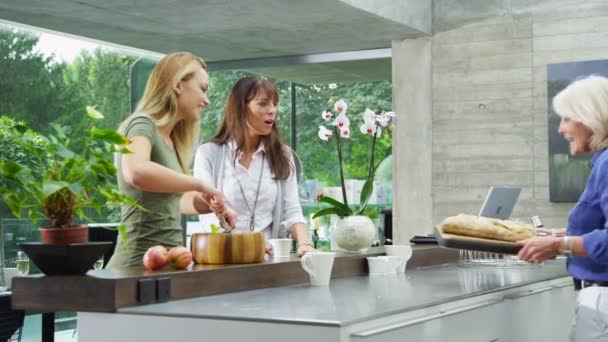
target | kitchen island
[
  {"x": 435, "y": 300},
  {"x": 437, "y": 303}
]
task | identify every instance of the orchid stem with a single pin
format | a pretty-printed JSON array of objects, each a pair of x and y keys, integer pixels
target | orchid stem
[
  {"x": 372, "y": 168},
  {"x": 339, "y": 143}
]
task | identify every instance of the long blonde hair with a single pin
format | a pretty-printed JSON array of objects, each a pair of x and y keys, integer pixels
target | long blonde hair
[{"x": 159, "y": 102}]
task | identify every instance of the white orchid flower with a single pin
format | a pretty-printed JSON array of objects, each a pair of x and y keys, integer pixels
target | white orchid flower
[
  {"x": 340, "y": 106},
  {"x": 345, "y": 133},
  {"x": 326, "y": 115},
  {"x": 324, "y": 133},
  {"x": 369, "y": 115},
  {"x": 390, "y": 115},
  {"x": 368, "y": 127},
  {"x": 382, "y": 120},
  {"x": 385, "y": 118},
  {"x": 342, "y": 121}
]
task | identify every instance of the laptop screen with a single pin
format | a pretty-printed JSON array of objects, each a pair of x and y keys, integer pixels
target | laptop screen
[{"x": 499, "y": 202}]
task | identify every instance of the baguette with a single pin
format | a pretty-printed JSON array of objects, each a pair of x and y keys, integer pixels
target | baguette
[{"x": 487, "y": 228}]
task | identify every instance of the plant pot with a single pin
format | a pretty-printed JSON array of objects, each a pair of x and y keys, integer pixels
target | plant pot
[
  {"x": 354, "y": 233},
  {"x": 64, "y": 236}
]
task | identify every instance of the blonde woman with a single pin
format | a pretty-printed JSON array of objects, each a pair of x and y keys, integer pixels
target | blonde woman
[
  {"x": 583, "y": 108},
  {"x": 163, "y": 130}
]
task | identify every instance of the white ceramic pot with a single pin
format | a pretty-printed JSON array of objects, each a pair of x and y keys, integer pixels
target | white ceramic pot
[{"x": 354, "y": 233}]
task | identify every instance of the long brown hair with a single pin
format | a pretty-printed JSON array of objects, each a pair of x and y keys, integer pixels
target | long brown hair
[
  {"x": 159, "y": 102},
  {"x": 234, "y": 126}
]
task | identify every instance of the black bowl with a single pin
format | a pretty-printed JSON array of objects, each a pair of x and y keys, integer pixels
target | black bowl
[{"x": 70, "y": 259}]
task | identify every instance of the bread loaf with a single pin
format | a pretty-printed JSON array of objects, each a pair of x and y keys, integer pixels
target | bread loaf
[{"x": 487, "y": 228}]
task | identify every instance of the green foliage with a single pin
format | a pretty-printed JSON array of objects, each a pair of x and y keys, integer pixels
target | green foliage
[
  {"x": 31, "y": 86},
  {"x": 36, "y": 89},
  {"x": 75, "y": 171},
  {"x": 102, "y": 78},
  {"x": 10, "y": 149},
  {"x": 215, "y": 228}
]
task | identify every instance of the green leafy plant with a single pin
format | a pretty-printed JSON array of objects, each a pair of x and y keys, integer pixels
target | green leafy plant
[
  {"x": 62, "y": 174},
  {"x": 372, "y": 124}
]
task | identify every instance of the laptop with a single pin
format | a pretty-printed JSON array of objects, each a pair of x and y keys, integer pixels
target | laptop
[{"x": 499, "y": 202}]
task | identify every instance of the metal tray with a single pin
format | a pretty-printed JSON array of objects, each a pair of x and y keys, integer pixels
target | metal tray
[{"x": 424, "y": 239}]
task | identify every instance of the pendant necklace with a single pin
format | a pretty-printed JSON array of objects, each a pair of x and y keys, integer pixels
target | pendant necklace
[{"x": 257, "y": 194}]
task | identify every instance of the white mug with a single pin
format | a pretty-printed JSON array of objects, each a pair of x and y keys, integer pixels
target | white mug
[
  {"x": 318, "y": 265},
  {"x": 384, "y": 264},
  {"x": 280, "y": 247},
  {"x": 403, "y": 251}
]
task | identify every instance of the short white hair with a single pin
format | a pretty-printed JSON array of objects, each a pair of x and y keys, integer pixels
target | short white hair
[{"x": 586, "y": 101}]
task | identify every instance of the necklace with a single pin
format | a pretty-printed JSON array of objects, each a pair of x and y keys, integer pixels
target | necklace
[{"x": 257, "y": 194}]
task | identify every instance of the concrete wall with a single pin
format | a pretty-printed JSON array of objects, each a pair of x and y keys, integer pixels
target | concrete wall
[
  {"x": 490, "y": 104},
  {"x": 416, "y": 14},
  {"x": 412, "y": 158}
]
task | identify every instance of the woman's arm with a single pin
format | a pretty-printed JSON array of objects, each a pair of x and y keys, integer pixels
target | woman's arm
[
  {"x": 139, "y": 171},
  {"x": 203, "y": 170},
  {"x": 299, "y": 232},
  {"x": 193, "y": 203},
  {"x": 541, "y": 248},
  {"x": 292, "y": 214}
]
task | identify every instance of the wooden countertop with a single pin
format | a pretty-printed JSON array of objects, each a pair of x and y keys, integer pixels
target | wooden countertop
[{"x": 111, "y": 289}]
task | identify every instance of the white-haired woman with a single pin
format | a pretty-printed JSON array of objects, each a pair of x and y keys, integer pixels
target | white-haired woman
[
  {"x": 583, "y": 108},
  {"x": 163, "y": 130}
]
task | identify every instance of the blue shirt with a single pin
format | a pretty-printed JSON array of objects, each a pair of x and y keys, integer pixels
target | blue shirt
[{"x": 588, "y": 219}]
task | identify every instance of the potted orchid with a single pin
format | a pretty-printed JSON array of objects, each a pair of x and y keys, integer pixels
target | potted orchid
[{"x": 354, "y": 229}]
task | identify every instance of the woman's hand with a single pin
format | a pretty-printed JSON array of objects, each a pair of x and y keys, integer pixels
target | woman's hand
[
  {"x": 228, "y": 218},
  {"x": 211, "y": 195},
  {"x": 304, "y": 248},
  {"x": 539, "y": 248},
  {"x": 224, "y": 213},
  {"x": 560, "y": 232}
]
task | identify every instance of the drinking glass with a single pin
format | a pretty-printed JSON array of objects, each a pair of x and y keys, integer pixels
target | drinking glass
[
  {"x": 23, "y": 263},
  {"x": 98, "y": 263}
]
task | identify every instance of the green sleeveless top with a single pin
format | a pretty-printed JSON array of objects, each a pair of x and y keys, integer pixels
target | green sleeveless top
[{"x": 160, "y": 225}]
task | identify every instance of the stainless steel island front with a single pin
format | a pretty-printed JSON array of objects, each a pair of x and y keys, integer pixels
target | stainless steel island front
[{"x": 435, "y": 303}]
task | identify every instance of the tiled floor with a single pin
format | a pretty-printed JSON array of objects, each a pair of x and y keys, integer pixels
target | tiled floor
[
  {"x": 66, "y": 336},
  {"x": 32, "y": 331}
]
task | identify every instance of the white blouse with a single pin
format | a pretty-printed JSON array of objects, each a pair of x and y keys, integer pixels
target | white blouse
[{"x": 249, "y": 178}]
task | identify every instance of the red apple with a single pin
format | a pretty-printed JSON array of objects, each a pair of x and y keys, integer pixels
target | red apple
[
  {"x": 179, "y": 257},
  {"x": 155, "y": 258}
]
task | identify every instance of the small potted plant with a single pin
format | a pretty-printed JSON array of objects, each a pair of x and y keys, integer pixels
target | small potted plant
[
  {"x": 354, "y": 229},
  {"x": 64, "y": 175}
]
